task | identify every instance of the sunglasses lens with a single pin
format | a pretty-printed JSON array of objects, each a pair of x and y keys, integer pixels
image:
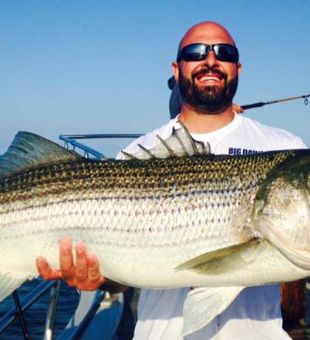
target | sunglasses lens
[
  {"x": 198, "y": 52},
  {"x": 194, "y": 52},
  {"x": 227, "y": 53}
]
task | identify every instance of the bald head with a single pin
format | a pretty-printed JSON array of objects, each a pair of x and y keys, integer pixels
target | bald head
[
  {"x": 207, "y": 69},
  {"x": 207, "y": 32}
]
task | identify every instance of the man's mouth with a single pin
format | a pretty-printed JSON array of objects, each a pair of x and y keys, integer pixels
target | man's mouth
[{"x": 209, "y": 77}]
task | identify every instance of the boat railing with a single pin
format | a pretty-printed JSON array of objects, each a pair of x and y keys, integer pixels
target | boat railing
[
  {"x": 74, "y": 330},
  {"x": 21, "y": 306},
  {"x": 70, "y": 142}
]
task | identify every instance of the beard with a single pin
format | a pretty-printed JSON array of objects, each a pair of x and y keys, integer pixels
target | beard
[{"x": 210, "y": 99}]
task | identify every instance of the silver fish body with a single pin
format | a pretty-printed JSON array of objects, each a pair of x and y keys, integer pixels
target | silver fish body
[{"x": 201, "y": 221}]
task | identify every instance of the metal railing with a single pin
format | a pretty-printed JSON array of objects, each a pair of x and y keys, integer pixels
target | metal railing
[
  {"x": 70, "y": 141},
  {"x": 17, "y": 311},
  {"x": 22, "y": 305}
]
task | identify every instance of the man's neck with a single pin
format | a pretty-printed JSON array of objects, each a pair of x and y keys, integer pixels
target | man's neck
[{"x": 197, "y": 122}]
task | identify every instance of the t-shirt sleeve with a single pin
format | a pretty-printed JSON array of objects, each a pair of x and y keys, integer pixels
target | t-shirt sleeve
[{"x": 299, "y": 143}]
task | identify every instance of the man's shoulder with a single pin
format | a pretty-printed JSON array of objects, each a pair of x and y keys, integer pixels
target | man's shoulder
[{"x": 279, "y": 136}]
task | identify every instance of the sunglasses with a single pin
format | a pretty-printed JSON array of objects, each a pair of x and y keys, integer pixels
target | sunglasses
[{"x": 199, "y": 52}]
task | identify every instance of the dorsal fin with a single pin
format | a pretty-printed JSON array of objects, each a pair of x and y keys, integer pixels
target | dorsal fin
[
  {"x": 30, "y": 150},
  {"x": 180, "y": 143},
  {"x": 143, "y": 153}
]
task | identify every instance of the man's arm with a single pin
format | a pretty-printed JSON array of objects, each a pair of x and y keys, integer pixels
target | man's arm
[{"x": 84, "y": 274}]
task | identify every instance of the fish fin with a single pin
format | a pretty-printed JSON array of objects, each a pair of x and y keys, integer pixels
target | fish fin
[
  {"x": 10, "y": 282},
  {"x": 202, "y": 305},
  {"x": 148, "y": 153},
  {"x": 29, "y": 150},
  {"x": 185, "y": 144},
  {"x": 179, "y": 144},
  {"x": 143, "y": 153},
  {"x": 127, "y": 155},
  {"x": 223, "y": 259}
]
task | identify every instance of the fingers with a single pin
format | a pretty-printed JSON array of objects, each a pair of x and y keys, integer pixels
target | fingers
[
  {"x": 88, "y": 275},
  {"x": 95, "y": 278},
  {"x": 83, "y": 273},
  {"x": 81, "y": 270},
  {"x": 237, "y": 108},
  {"x": 93, "y": 269},
  {"x": 46, "y": 271},
  {"x": 66, "y": 262}
]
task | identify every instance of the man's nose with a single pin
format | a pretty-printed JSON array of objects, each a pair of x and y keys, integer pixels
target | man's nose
[{"x": 211, "y": 59}]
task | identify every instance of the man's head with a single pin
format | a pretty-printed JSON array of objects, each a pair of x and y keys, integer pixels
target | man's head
[{"x": 207, "y": 68}]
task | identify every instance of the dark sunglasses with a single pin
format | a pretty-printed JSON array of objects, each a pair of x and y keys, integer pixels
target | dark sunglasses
[{"x": 199, "y": 52}]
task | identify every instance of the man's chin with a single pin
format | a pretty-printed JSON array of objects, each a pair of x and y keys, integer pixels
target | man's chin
[
  {"x": 210, "y": 89},
  {"x": 214, "y": 109},
  {"x": 214, "y": 89}
]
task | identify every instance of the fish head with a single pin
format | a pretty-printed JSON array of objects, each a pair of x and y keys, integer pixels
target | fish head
[{"x": 281, "y": 212}]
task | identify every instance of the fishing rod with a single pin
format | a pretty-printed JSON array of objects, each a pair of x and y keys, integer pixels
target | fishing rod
[
  {"x": 260, "y": 104},
  {"x": 175, "y": 101}
]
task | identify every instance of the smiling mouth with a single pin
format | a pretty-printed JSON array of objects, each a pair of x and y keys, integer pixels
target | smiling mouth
[
  {"x": 209, "y": 76},
  {"x": 209, "y": 79}
]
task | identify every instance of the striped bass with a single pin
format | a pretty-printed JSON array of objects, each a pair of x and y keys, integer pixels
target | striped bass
[{"x": 181, "y": 218}]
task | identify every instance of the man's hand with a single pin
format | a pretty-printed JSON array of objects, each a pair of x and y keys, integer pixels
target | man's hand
[
  {"x": 237, "y": 108},
  {"x": 84, "y": 274}
]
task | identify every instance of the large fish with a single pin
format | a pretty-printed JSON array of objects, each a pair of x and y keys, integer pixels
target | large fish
[{"x": 218, "y": 223}]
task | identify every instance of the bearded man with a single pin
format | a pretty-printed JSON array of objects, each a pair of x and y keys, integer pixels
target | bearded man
[{"x": 206, "y": 69}]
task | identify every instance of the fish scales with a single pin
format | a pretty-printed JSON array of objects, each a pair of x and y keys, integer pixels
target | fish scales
[
  {"x": 135, "y": 180},
  {"x": 158, "y": 201}
]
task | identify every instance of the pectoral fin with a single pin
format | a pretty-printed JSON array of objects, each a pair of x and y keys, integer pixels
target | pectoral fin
[
  {"x": 202, "y": 305},
  {"x": 223, "y": 259}
]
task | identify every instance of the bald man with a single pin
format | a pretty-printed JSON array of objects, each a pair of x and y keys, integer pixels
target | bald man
[{"x": 206, "y": 70}]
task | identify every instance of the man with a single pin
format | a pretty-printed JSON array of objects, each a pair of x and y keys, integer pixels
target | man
[{"x": 206, "y": 70}]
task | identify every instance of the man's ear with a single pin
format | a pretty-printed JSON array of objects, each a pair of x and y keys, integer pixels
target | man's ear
[
  {"x": 239, "y": 68},
  {"x": 175, "y": 71}
]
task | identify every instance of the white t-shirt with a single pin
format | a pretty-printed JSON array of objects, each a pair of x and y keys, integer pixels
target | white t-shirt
[{"x": 255, "y": 313}]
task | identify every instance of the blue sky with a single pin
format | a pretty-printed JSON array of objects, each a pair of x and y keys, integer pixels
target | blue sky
[{"x": 71, "y": 66}]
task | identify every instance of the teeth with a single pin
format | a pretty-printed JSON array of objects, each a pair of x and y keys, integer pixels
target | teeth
[{"x": 209, "y": 78}]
